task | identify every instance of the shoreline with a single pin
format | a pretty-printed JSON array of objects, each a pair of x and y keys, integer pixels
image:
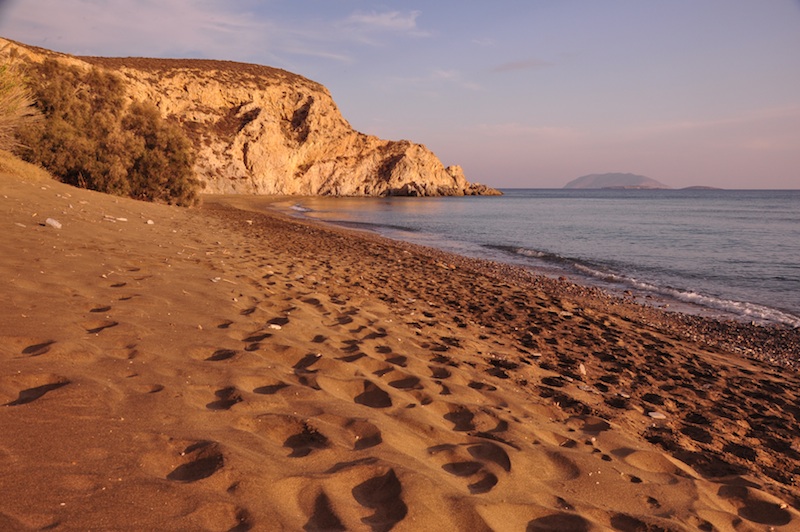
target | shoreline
[
  {"x": 688, "y": 299},
  {"x": 775, "y": 343},
  {"x": 226, "y": 369}
]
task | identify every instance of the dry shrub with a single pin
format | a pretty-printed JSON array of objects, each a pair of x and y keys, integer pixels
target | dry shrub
[
  {"x": 16, "y": 106},
  {"x": 92, "y": 137}
]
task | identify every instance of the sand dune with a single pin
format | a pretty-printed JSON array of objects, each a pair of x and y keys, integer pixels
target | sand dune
[{"x": 226, "y": 369}]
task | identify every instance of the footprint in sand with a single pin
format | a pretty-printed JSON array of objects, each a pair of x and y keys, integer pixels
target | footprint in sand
[
  {"x": 560, "y": 521},
  {"x": 306, "y": 441},
  {"x": 379, "y": 333},
  {"x": 255, "y": 341},
  {"x": 323, "y": 516},
  {"x": 307, "y": 361},
  {"x": 398, "y": 360},
  {"x": 483, "y": 480},
  {"x": 491, "y": 452},
  {"x": 201, "y": 460},
  {"x": 98, "y": 326},
  {"x": 383, "y": 371},
  {"x": 270, "y": 389},
  {"x": 461, "y": 417},
  {"x": 34, "y": 387},
  {"x": 439, "y": 372},
  {"x": 301, "y": 436},
  {"x": 352, "y": 358},
  {"x": 305, "y": 376},
  {"x": 475, "y": 385},
  {"x": 344, "y": 320},
  {"x": 221, "y": 354},
  {"x": 484, "y": 485},
  {"x": 755, "y": 506},
  {"x": 383, "y": 494},
  {"x": 351, "y": 346},
  {"x": 407, "y": 383},
  {"x": 373, "y": 396},
  {"x": 38, "y": 349},
  {"x": 257, "y": 337},
  {"x": 628, "y": 522},
  {"x": 365, "y": 434},
  {"x": 226, "y": 398},
  {"x": 463, "y": 469}
]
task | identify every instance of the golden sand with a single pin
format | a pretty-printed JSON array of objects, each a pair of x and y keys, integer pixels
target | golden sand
[{"x": 229, "y": 369}]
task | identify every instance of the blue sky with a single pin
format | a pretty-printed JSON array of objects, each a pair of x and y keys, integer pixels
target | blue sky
[{"x": 520, "y": 93}]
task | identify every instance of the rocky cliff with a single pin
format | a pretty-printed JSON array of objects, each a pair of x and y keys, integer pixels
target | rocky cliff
[{"x": 261, "y": 130}]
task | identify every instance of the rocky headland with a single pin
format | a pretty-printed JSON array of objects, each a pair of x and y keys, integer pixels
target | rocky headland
[{"x": 262, "y": 130}]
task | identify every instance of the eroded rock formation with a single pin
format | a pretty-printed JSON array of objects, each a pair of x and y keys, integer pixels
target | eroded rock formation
[{"x": 261, "y": 130}]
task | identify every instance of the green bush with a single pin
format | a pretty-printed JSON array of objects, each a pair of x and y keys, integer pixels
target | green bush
[{"x": 92, "y": 137}]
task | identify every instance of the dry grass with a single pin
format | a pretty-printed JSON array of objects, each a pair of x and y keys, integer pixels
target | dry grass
[
  {"x": 16, "y": 106},
  {"x": 227, "y": 71},
  {"x": 11, "y": 164}
]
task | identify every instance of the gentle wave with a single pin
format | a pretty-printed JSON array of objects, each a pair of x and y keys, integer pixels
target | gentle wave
[
  {"x": 741, "y": 309},
  {"x": 533, "y": 253},
  {"x": 728, "y": 254}
]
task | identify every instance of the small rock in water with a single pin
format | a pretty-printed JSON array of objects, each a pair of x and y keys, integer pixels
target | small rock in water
[{"x": 52, "y": 222}]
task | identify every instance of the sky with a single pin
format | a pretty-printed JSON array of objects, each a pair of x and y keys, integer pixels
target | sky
[{"x": 520, "y": 93}]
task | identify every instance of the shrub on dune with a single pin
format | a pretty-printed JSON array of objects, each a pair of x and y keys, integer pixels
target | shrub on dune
[
  {"x": 16, "y": 106},
  {"x": 93, "y": 137}
]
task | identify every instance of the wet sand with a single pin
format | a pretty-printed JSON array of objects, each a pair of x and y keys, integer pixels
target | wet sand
[{"x": 227, "y": 369}]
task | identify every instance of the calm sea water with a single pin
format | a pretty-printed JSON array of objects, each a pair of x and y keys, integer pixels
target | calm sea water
[{"x": 722, "y": 253}]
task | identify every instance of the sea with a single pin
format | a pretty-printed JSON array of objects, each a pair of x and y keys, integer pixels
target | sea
[{"x": 729, "y": 254}]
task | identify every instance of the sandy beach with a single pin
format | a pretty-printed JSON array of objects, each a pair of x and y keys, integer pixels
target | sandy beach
[{"x": 230, "y": 368}]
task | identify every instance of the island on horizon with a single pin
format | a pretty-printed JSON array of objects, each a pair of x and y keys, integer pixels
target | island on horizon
[{"x": 625, "y": 181}]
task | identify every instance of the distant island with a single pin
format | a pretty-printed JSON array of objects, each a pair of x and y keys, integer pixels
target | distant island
[{"x": 616, "y": 180}]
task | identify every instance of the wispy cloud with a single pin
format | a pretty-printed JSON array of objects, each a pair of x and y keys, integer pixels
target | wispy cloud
[
  {"x": 245, "y": 30},
  {"x": 376, "y": 28},
  {"x": 238, "y": 31},
  {"x": 387, "y": 20},
  {"x": 114, "y": 27},
  {"x": 484, "y": 41},
  {"x": 526, "y": 64}
]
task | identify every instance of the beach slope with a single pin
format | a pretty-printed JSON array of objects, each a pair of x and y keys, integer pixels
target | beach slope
[{"x": 230, "y": 368}]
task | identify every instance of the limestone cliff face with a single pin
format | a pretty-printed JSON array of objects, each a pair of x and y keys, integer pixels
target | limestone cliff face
[{"x": 260, "y": 130}]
